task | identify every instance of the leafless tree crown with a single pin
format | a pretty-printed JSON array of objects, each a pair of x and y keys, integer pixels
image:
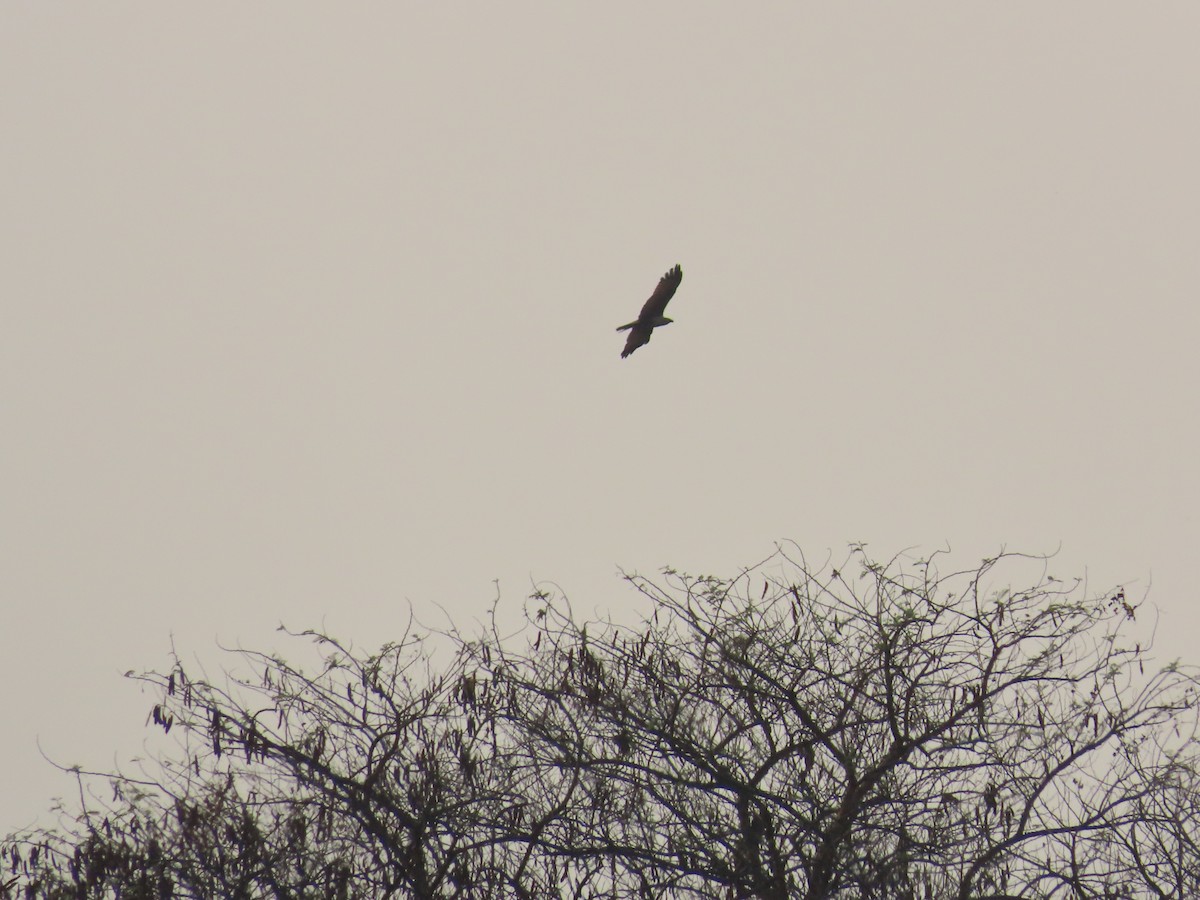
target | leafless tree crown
[{"x": 864, "y": 730}]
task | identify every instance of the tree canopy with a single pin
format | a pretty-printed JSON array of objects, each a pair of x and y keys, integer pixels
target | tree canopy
[{"x": 859, "y": 729}]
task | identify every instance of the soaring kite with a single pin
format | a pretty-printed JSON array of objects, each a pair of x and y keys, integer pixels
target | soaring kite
[{"x": 651, "y": 316}]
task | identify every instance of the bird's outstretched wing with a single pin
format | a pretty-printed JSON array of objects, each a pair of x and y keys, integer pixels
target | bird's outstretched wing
[
  {"x": 638, "y": 334},
  {"x": 654, "y": 307}
]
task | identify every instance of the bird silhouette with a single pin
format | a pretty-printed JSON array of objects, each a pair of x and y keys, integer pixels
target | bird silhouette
[{"x": 651, "y": 316}]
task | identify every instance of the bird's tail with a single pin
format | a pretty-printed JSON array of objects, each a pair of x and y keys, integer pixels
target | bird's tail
[{"x": 627, "y": 327}]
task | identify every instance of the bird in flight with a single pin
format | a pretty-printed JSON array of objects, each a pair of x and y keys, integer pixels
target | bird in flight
[{"x": 651, "y": 316}]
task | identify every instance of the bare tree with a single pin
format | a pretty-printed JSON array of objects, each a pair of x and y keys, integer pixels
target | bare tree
[{"x": 864, "y": 730}]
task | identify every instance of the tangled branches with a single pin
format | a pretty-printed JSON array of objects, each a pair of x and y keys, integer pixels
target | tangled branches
[{"x": 862, "y": 731}]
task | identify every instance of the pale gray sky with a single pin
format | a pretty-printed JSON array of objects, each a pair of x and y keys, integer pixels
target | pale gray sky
[{"x": 308, "y": 310}]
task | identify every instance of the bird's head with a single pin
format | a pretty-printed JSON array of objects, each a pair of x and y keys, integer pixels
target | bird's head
[{"x": 662, "y": 320}]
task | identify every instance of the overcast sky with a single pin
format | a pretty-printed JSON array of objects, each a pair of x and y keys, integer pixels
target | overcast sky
[{"x": 307, "y": 311}]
